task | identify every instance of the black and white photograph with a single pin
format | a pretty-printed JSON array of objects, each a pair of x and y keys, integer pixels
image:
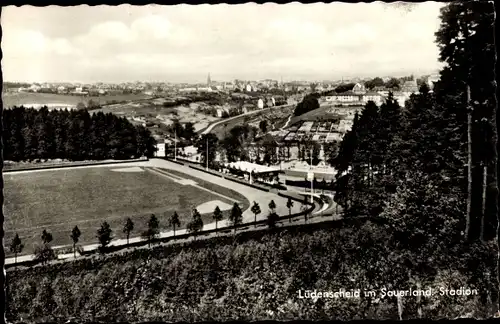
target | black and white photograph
[{"x": 249, "y": 162}]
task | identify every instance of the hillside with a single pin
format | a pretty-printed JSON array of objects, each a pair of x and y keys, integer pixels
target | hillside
[{"x": 249, "y": 278}]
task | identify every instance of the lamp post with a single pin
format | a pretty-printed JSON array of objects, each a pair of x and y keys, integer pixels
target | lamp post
[
  {"x": 312, "y": 178},
  {"x": 175, "y": 145},
  {"x": 207, "y": 153}
]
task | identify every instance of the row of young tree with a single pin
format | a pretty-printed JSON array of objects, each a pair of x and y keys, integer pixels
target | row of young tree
[
  {"x": 44, "y": 253},
  {"x": 31, "y": 134},
  {"x": 412, "y": 164}
]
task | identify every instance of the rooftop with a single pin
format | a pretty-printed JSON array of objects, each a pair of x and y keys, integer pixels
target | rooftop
[{"x": 249, "y": 167}]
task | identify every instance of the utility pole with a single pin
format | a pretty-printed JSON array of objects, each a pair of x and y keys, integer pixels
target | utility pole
[
  {"x": 207, "y": 153},
  {"x": 312, "y": 179},
  {"x": 175, "y": 145}
]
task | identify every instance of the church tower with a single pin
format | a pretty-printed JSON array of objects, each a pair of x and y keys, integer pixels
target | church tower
[{"x": 209, "y": 81}]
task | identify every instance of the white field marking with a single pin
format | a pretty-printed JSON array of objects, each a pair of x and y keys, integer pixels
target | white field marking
[
  {"x": 163, "y": 174},
  {"x": 191, "y": 183},
  {"x": 176, "y": 178},
  {"x": 216, "y": 193},
  {"x": 209, "y": 206},
  {"x": 130, "y": 169}
]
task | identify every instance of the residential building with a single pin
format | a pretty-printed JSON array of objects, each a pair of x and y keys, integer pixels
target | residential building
[
  {"x": 410, "y": 87},
  {"x": 160, "y": 150},
  {"x": 359, "y": 89},
  {"x": 401, "y": 97},
  {"x": 260, "y": 103}
]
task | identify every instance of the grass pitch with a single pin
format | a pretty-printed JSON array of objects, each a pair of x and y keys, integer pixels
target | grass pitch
[{"x": 57, "y": 200}]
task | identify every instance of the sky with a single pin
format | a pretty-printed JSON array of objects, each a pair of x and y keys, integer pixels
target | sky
[{"x": 183, "y": 43}]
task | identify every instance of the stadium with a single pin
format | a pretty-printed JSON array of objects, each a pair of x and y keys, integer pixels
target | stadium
[{"x": 58, "y": 199}]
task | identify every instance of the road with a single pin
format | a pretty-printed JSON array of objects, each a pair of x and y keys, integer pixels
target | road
[
  {"x": 261, "y": 197},
  {"x": 210, "y": 128}
]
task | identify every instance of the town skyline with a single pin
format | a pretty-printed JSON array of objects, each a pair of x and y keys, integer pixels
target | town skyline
[{"x": 182, "y": 44}]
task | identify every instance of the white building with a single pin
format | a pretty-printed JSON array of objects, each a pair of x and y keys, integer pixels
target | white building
[
  {"x": 160, "y": 152},
  {"x": 432, "y": 79},
  {"x": 260, "y": 104},
  {"x": 190, "y": 89},
  {"x": 401, "y": 98}
]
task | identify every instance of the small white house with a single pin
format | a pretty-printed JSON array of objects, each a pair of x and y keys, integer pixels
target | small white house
[
  {"x": 160, "y": 150},
  {"x": 260, "y": 104}
]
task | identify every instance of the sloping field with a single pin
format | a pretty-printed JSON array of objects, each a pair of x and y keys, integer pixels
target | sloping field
[
  {"x": 59, "y": 200},
  {"x": 324, "y": 113},
  {"x": 26, "y": 98}
]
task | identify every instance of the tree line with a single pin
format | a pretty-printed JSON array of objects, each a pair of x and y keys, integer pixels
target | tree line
[
  {"x": 44, "y": 252},
  {"x": 412, "y": 164},
  {"x": 31, "y": 134}
]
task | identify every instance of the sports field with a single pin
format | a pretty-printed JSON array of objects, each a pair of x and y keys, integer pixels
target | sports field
[{"x": 60, "y": 199}]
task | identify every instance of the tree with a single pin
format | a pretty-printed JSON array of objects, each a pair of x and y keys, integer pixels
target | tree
[
  {"x": 46, "y": 237},
  {"x": 174, "y": 221},
  {"x": 309, "y": 103},
  {"x": 289, "y": 205},
  {"x": 272, "y": 219},
  {"x": 392, "y": 83},
  {"x": 236, "y": 216},
  {"x": 77, "y": 135},
  {"x": 272, "y": 206},
  {"x": 45, "y": 253},
  {"x": 16, "y": 247},
  {"x": 128, "y": 227},
  {"x": 201, "y": 145},
  {"x": 344, "y": 87},
  {"x": 104, "y": 236},
  {"x": 196, "y": 224},
  {"x": 151, "y": 233},
  {"x": 466, "y": 44},
  {"x": 217, "y": 216},
  {"x": 189, "y": 132},
  {"x": 75, "y": 236},
  {"x": 256, "y": 211},
  {"x": 376, "y": 82},
  {"x": 263, "y": 125}
]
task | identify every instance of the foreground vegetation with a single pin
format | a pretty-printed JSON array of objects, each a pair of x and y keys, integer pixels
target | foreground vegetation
[{"x": 254, "y": 276}]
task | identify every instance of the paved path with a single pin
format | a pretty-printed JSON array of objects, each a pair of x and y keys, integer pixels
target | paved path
[
  {"x": 261, "y": 197},
  {"x": 252, "y": 194}
]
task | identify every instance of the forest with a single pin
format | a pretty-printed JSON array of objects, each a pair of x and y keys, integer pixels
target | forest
[
  {"x": 31, "y": 135},
  {"x": 430, "y": 168}
]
